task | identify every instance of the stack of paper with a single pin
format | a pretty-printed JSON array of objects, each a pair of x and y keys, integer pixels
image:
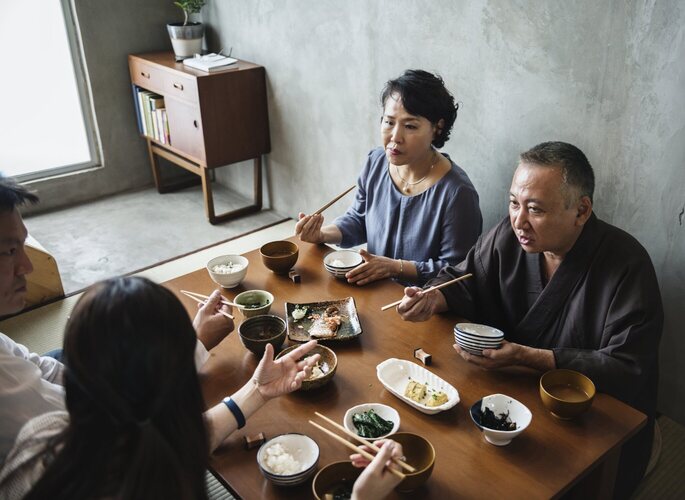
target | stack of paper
[{"x": 209, "y": 62}]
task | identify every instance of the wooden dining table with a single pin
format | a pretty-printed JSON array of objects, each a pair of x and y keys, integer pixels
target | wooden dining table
[{"x": 552, "y": 458}]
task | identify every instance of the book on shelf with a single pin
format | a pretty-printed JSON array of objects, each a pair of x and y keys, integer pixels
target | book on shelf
[
  {"x": 136, "y": 102},
  {"x": 210, "y": 62},
  {"x": 151, "y": 114}
]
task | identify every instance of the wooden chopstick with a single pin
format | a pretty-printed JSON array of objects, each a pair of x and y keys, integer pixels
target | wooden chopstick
[
  {"x": 200, "y": 301},
  {"x": 206, "y": 297},
  {"x": 334, "y": 200},
  {"x": 438, "y": 287},
  {"x": 356, "y": 448},
  {"x": 375, "y": 448}
]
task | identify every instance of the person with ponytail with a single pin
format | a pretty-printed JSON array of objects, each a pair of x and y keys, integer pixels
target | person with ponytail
[{"x": 134, "y": 425}]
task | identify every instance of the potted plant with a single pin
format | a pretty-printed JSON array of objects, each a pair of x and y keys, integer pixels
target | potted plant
[{"x": 186, "y": 37}]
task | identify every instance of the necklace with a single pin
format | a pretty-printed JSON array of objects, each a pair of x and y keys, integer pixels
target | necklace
[{"x": 406, "y": 185}]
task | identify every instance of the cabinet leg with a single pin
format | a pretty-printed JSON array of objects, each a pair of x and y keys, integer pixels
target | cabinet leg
[
  {"x": 154, "y": 164},
  {"x": 257, "y": 182},
  {"x": 207, "y": 194}
]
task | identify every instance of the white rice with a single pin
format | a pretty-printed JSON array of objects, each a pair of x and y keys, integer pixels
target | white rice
[
  {"x": 227, "y": 268},
  {"x": 337, "y": 263},
  {"x": 280, "y": 462}
]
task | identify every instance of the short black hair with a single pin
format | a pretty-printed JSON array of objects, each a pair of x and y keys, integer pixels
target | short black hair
[
  {"x": 576, "y": 169},
  {"x": 13, "y": 194},
  {"x": 424, "y": 94}
]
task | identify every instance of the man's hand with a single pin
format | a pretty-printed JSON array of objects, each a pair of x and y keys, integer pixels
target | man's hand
[
  {"x": 374, "y": 268},
  {"x": 284, "y": 375},
  {"x": 420, "y": 306},
  {"x": 511, "y": 354},
  {"x": 376, "y": 481},
  {"x": 308, "y": 228},
  {"x": 210, "y": 325}
]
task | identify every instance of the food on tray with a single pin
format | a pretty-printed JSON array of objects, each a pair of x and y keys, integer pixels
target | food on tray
[
  {"x": 299, "y": 313},
  {"x": 487, "y": 418},
  {"x": 228, "y": 268},
  {"x": 415, "y": 391},
  {"x": 279, "y": 461},
  {"x": 371, "y": 425},
  {"x": 325, "y": 326},
  {"x": 423, "y": 394}
]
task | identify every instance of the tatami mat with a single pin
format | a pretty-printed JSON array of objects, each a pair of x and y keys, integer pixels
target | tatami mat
[
  {"x": 42, "y": 329},
  {"x": 667, "y": 479}
]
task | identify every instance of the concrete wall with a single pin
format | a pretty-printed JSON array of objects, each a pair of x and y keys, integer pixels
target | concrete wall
[
  {"x": 109, "y": 32},
  {"x": 606, "y": 76}
]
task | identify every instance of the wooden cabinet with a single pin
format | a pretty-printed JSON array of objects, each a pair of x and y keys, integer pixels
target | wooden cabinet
[{"x": 215, "y": 119}]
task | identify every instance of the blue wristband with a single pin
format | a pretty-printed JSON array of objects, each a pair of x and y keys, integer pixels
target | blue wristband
[{"x": 237, "y": 413}]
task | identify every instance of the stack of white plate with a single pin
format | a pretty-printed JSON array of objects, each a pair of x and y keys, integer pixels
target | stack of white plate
[
  {"x": 340, "y": 262},
  {"x": 302, "y": 448},
  {"x": 473, "y": 338}
]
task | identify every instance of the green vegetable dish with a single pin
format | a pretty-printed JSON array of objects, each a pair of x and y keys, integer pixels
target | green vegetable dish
[{"x": 370, "y": 425}]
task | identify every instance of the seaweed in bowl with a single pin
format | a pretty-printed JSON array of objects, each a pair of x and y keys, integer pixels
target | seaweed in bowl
[
  {"x": 487, "y": 418},
  {"x": 371, "y": 425}
]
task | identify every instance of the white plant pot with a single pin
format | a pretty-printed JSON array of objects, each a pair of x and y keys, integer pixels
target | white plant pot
[{"x": 186, "y": 40}]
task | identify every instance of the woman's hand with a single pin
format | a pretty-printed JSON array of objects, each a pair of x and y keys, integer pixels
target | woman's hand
[
  {"x": 210, "y": 325},
  {"x": 275, "y": 378},
  {"x": 308, "y": 228},
  {"x": 420, "y": 306},
  {"x": 374, "y": 268},
  {"x": 376, "y": 481}
]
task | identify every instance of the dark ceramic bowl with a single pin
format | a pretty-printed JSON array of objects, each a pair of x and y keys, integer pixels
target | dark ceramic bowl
[
  {"x": 566, "y": 393},
  {"x": 279, "y": 256},
  {"x": 333, "y": 478},
  {"x": 258, "y": 331}
]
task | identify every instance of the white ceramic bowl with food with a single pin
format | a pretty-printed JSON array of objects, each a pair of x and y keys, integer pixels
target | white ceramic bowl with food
[
  {"x": 340, "y": 262},
  {"x": 288, "y": 459},
  {"x": 504, "y": 408},
  {"x": 228, "y": 270},
  {"x": 395, "y": 374},
  {"x": 386, "y": 412},
  {"x": 477, "y": 331}
]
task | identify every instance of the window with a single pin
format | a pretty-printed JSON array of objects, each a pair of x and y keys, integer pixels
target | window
[{"x": 46, "y": 125}]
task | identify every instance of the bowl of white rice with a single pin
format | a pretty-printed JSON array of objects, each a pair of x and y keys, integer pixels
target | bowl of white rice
[
  {"x": 288, "y": 459},
  {"x": 228, "y": 270}
]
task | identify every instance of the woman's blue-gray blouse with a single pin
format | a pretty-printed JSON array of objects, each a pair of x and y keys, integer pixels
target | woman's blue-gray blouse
[{"x": 433, "y": 229}]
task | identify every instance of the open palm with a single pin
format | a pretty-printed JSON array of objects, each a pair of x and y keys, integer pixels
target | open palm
[{"x": 277, "y": 377}]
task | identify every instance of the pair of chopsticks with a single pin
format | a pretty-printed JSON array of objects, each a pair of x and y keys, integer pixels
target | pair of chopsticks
[
  {"x": 334, "y": 200},
  {"x": 365, "y": 454},
  {"x": 438, "y": 287},
  {"x": 201, "y": 299}
]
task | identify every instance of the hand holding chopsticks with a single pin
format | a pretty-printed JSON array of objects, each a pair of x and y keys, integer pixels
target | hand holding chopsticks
[
  {"x": 202, "y": 299},
  {"x": 357, "y": 449},
  {"x": 437, "y": 287}
]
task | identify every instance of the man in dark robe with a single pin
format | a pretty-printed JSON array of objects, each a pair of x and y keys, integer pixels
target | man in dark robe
[{"x": 567, "y": 289}]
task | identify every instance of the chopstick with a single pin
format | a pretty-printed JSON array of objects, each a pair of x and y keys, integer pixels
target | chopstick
[
  {"x": 437, "y": 287},
  {"x": 200, "y": 301},
  {"x": 206, "y": 297},
  {"x": 375, "y": 448},
  {"x": 357, "y": 449},
  {"x": 334, "y": 200}
]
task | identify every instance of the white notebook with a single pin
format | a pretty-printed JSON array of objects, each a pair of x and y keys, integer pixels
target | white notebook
[{"x": 209, "y": 62}]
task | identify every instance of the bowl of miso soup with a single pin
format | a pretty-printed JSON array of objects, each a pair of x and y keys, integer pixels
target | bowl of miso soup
[
  {"x": 566, "y": 393},
  {"x": 335, "y": 481}
]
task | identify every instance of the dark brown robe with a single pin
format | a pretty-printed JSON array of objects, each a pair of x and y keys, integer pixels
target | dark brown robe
[{"x": 601, "y": 313}]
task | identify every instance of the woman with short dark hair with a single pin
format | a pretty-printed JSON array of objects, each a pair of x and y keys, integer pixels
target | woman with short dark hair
[
  {"x": 135, "y": 426},
  {"x": 416, "y": 210}
]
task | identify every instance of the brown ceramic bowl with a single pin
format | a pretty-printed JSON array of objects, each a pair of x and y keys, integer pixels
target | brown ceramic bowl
[
  {"x": 279, "y": 256},
  {"x": 420, "y": 455},
  {"x": 566, "y": 393},
  {"x": 328, "y": 362},
  {"x": 334, "y": 477},
  {"x": 258, "y": 331}
]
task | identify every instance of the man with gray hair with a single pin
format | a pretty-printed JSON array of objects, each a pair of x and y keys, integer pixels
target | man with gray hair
[{"x": 567, "y": 289}]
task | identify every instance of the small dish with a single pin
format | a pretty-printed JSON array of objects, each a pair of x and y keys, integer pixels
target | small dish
[
  {"x": 254, "y": 302},
  {"x": 501, "y": 404},
  {"x": 480, "y": 331},
  {"x": 233, "y": 272},
  {"x": 298, "y": 330},
  {"x": 395, "y": 374},
  {"x": 301, "y": 448},
  {"x": 329, "y": 364},
  {"x": 420, "y": 454},
  {"x": 258, "y": 331},
  {"x": 384, "y": 411},
  {"x": 340, "y": 262}
]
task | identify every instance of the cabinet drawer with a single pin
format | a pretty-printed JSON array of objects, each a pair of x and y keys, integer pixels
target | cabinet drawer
[
  {"x": 185, "y": 128},
  {"x": 167, "y": 83}
]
